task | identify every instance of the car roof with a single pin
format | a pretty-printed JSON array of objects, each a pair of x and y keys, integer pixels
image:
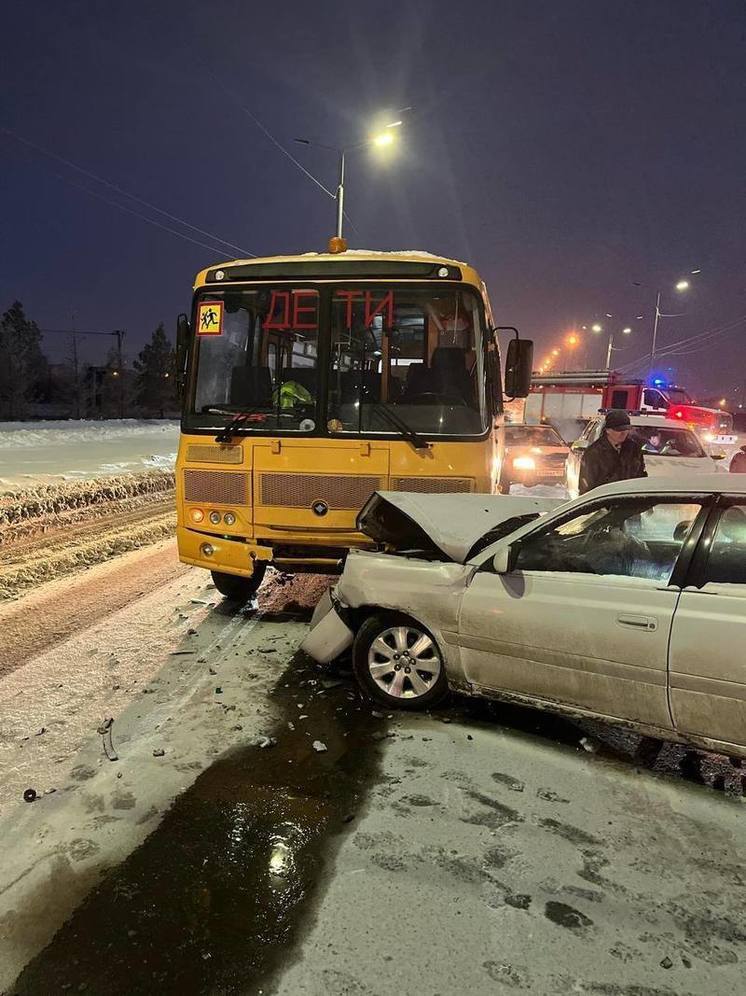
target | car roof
[
  {"x": 718, "y": 483},
  {"x": 657, "y": 420}
]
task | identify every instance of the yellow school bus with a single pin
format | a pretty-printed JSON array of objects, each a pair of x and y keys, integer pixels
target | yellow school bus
[{"x": 311, "y": 381}]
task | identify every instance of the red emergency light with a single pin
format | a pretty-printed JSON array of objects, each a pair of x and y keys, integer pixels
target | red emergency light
[{"x": 694, "y": 416}]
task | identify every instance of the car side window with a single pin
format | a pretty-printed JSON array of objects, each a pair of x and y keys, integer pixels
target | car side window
[
  {"x": 727, "y": 560},
  {"x": 653, "y": 398},
  {"x": 628, "y": 537}
]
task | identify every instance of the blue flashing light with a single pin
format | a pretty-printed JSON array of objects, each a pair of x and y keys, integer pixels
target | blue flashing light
[{"x": 658, "y": 381}]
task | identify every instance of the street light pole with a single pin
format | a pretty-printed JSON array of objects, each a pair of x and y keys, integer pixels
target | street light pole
[
  {"x": 655, "y": 331},
  {"x": 341, "y": 193},
  {"x": 385, "y": 137},
  {"x": 609, "y": 350}
]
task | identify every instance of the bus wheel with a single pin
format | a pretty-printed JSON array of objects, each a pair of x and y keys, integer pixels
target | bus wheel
[{"x": 239, "y": 589}]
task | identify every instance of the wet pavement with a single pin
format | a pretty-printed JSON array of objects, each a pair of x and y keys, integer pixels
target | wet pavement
[
  {"x": 259, "y": 869},
  {"x": 214, "y": 898}
]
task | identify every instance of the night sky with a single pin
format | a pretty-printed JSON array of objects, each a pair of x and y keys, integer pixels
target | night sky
[{"x": 567, "y": 149}]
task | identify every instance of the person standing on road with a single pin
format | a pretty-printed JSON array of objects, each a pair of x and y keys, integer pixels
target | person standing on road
[{"x": 613, "y": 457}]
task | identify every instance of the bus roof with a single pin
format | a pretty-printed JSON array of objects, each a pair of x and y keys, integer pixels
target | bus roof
[{"x": 353, "y": 263}]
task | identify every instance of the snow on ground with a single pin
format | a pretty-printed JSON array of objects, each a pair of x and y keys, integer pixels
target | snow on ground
[
  {"x": 49, "y": 452},
  {"x": 540, "y": 490}
]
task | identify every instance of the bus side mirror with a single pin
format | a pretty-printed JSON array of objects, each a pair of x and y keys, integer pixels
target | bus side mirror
[
  {"x": 518, "y": 367},
  {"x": 183, "y": 334}
]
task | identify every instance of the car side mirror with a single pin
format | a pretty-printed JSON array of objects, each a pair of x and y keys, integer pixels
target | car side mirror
[
  {"x": 505, "y": 559},
  {"x": 518, "y": 368},
  {"x": 183, "y": 335},
  {"x": 579, "y": 445}
]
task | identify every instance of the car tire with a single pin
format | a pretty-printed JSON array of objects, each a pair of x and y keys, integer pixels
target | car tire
[
  {"x": 397, "y": 682},
  {"x": 237, "y": 588}
]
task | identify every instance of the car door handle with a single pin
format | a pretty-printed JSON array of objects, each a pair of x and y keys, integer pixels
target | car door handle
[{"x": 639, "y": 622}]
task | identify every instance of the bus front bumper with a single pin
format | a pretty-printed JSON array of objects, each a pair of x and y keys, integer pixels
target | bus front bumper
[
  {"x": 228, "y": 556},
  {"x": 237, "y": 556}
]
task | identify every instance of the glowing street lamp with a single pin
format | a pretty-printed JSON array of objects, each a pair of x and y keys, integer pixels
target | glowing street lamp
[
  {"x": 681, "y": 286},
  {"x": 382, "y": 139}
]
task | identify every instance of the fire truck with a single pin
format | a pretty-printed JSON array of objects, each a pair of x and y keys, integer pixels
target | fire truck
[{"x": 573, "y": 397}]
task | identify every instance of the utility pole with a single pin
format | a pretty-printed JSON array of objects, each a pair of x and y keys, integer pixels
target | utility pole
[
  {"x": 76, "y": 378},
  {"x": 119, "y": 333}
]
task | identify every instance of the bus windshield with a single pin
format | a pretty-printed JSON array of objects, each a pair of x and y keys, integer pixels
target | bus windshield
[{"x": 341, "y": 359}]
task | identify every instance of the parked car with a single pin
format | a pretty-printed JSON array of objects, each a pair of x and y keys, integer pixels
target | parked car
[
  {"x": 670, "y": 449},
  {"x": 627, "y": 604},
  {"x": 530, "y": 455},
  {"x": 738, "y": 462}
]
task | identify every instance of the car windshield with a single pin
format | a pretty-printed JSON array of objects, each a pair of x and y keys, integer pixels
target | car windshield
[
  {"x": 532, "y": 435},
  {"x": 658, "y": 441},
  {"x": 678, "y": 396}
]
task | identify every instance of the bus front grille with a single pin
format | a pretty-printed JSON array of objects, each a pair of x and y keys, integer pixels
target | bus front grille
[
  {"x": 216, "y": 486},
  {"x": 433, "y": 485},
  {"x": 302, "y": 490},
  {"x": 207, "y": 453}
]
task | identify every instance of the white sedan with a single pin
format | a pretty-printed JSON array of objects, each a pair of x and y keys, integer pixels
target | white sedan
[
  {"x": 670, "y": 449},
  {"x": 628, "y": 604}
]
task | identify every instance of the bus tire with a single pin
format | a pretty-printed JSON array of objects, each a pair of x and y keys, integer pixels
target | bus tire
[{"x": 239, "y": 589}]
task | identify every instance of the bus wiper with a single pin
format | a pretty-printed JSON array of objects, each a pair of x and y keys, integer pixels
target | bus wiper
[
  {"x": 419, "y": 442},
  {"x": 239, "y": 417}
]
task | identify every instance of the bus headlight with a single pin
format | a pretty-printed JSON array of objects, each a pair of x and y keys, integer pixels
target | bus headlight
[
  {"x": 214, "y": 518},
  {"x": 229, "y": 519},
  {"x": 524, "y": 463},
  {"x": 196, "y": 514}
]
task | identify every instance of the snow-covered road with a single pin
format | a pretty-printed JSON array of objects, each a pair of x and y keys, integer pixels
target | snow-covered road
[{"x": 479, "y": 849}]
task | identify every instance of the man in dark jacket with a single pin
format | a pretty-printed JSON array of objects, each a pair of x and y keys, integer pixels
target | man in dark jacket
[{"x": 613, "y": 457}]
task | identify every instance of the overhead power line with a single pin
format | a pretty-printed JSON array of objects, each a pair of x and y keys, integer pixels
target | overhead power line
[
  {"x": 125, "y": 193},
  {"x": 137, "y": 214},
  {"x": 265, "y": 131}
]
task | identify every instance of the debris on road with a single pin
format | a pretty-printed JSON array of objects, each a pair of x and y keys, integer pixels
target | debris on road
[
  {"x": 319, "y": 747},
  {"x": 158, "y": 752},
  {"x": 263, "y": 742},
  {"x": 108, "y": 744},
  {"x": 590, "y": 745},
  {"x": 29, "y": 795}
]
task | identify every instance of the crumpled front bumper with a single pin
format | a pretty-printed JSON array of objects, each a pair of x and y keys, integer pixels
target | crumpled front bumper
[{"x": 329, "y": 635}]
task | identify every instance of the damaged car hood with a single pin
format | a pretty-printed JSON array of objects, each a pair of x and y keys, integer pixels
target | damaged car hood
[{"x": 450, "y": 523}]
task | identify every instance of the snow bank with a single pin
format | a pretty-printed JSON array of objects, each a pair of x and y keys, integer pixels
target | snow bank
[
  {"x": 49, "y": 452},
  {"x": 61, "y": 433}
]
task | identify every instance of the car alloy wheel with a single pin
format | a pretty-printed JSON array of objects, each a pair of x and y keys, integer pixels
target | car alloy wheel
[{"x": 398, "y": 662}]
